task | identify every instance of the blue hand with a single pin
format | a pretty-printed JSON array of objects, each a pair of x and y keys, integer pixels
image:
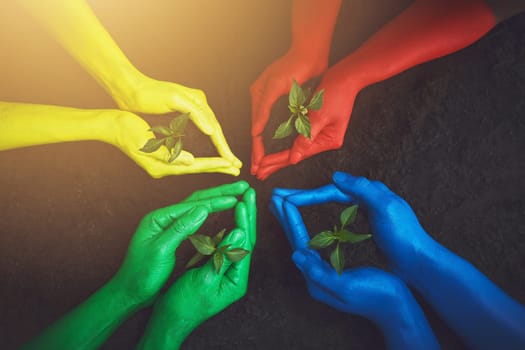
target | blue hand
[
  {"x": 371, "y": 293},
  {"x": 480, "y": 312},
  {"x": 395, "y": 227}
]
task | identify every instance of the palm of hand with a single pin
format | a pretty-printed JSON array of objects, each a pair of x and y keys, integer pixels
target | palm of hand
[{"x": 328, "y": 128}]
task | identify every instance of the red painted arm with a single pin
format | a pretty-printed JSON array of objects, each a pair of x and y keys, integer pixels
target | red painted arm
[{"x": 426, "y": 30}]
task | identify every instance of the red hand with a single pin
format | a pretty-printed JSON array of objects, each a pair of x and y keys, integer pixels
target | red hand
[{"x": 424, "y": 31}]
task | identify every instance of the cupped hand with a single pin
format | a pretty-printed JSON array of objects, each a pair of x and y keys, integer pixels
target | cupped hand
[
  {"x": 203, "y": 292},
  {"x": 160, "y": 97},
  {"x": 328, "y": 126},
  {"x": 132, "y": 132},
  {"x": 274, "y": 82},
  {"x": 151, "y": 254},
  {"x": 365, "y": 291},
  {"x": 395, "y": 227}
]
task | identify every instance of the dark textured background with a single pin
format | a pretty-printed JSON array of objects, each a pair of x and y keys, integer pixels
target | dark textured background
[{"x": 448, "y": 136}]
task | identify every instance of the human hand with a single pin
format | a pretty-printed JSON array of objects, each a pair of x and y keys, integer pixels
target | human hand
[
  {"x": 131, "y": 132},
  {"x": 328, "y": 126},
  {"x": 274, "y": 82},
  {"x": 151, "y": 253},
  {"x": 202, "y": 292},
  {"x": 395, "y": 227},
  {"x": 369, "y": 292},
  {"x": 152, "y": 96}
]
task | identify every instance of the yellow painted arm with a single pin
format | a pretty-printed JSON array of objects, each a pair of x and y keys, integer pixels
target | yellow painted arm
[
  {"x": 77, "y": 29},
  {"x": 75, "y": 26},
  {"x": 23, "y": 125}
]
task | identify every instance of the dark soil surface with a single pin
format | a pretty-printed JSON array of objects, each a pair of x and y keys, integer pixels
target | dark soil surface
[{"x": 448, "y": 136}]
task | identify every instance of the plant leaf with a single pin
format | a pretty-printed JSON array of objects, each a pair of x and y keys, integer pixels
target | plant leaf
[
  {"x": 223, "y": 248},
  {"x": 322, "y": 240},
  {"x": 170, "y": 142},
  {"x": 177, "y": 149},
  {"x": 284, "y": 130},
  {"x": 178, "y": 124},
  {"x": 337, "y": 259},
  {"x": 218, "y": 260},
  {"x": 194, "y": 259},
  {"x": 202, "y": 243},
  {"x": 236, "y": 254},
  {"x": 161, "y": 130},
  {"x": 296, "y": 97},
  {"x": 351, "y": 237},
  {"x": 348, "y": 216},
  {"x": 302, "y": 125},
  {"x": 317, "y": 101},
  {"x": 219, "y": 236},
  {"x": 152, "y": 145}
]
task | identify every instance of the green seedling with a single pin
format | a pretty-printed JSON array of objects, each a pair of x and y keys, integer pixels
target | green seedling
[
  {"x": 206, "y": 245},
  {"x": 325, "y": 239},
  {"x": 296, "y": 101},
  {"x": 170, "y": 137}
]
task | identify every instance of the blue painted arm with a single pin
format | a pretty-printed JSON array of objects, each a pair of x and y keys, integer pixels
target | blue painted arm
[{"x": 480, "y": 312}]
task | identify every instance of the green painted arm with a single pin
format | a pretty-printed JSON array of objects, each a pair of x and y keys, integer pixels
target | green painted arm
[{"x": 148, "y": 264}]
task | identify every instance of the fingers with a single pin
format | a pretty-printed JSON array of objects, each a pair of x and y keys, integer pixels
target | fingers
[
  {"x": 257, "y": 153},
  {"x": 179, "y": 230},
  {"x": 264, "y": 172},
  {"x": 233, "y": 189},
  {"x": 164, "y": 217},
  {"x": 218, "y": 139},
  {"x": 207, "y": 165},
  {"x": 321, "y": 195},
  {"x": 276, "y": 208},
  {"x": 237, "y": 238},
  {"x": 275, "y": 158},
  {"x": 268, "y": 95},
  {"x": 316, "y": 270},
  {"x": 285, "y": 192},
  {"x": 327, "y": 139},
  {"x": 236, "y": 273},
  {"x": 364, "y": 191},
  {"x": 246, "y": 215},
  {"x": 299, "y": 233}
]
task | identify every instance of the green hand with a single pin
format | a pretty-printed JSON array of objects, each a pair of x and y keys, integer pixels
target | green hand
[
  {"x": 151, "y": 255},
  {"x": 201, "y": 292},
  {"x": 233, "y": 189}
]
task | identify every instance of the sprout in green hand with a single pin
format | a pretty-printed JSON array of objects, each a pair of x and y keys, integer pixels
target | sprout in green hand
[
  {"x": 296, "y": 101},
  {"x": 171, "y": 137},
  {"x": 206, "y": 245},
  {"x": 325, "y": 239}
]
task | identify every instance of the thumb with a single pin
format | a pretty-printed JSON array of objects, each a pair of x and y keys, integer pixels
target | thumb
[
  {"x": 179, "y": 230},
  {"x": 316, "y": 270}
]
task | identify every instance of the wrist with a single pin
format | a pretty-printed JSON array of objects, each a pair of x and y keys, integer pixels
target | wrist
[
  {"x": 315, "y": 61},
  {"x": 119, "y": 293},
  {"x": 165, "y": 330},
  {"x": 404, "y": 324}
]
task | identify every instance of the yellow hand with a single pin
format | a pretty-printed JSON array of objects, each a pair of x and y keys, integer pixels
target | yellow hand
[
  {"x": 158, "y": 97},
  {"x": 132, "y": 133},
  {"x": 75, "y": 26},
  {"x": 23, "y": 125}
]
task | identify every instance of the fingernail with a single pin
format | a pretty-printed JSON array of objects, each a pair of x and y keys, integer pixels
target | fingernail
[
  {"x": 237, "y": 163},
  {"x": 295, "y": 157}
]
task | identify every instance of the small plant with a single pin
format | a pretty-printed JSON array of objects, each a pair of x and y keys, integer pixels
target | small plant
[
  {"x": 171, "y": 137},
  {"x": 325, "y": 239},
  {"x": 296, "y": 101},
  {"x": 207, "y": 245}
]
